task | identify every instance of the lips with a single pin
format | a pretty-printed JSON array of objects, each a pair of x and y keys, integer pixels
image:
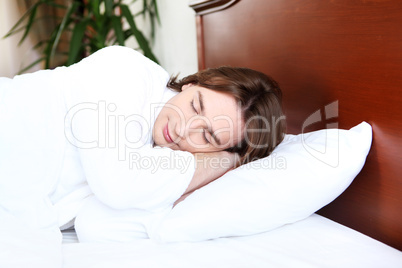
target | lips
[{"x": 166, "y": 134}]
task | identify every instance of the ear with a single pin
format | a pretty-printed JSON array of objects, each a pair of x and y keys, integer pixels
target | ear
[{"x": 184, "y": 87}]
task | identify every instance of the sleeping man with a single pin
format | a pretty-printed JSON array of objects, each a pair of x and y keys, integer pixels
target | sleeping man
[{"x": 112, "y": 144}]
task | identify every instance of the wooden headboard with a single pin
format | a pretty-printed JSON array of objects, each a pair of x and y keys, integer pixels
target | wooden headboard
[{"x": 342, "y": 58}]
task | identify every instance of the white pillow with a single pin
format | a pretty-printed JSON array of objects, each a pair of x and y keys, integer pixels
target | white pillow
[{"x": 303, "y": 174}]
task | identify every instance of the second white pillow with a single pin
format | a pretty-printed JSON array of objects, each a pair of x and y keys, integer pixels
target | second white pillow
[{"x": 303, "y": 174}]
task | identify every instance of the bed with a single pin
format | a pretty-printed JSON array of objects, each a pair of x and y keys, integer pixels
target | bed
[
  {"x": 338, "y": 63},
  {"x": 320, "y": 52}
]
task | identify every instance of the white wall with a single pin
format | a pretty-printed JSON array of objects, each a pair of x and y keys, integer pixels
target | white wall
[
  {"x": 176, "y": 39},
  {"x": 174, "y": 46}
]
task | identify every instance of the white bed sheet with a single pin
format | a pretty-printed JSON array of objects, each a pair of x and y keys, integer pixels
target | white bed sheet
[{"x": 313, "y": 242}]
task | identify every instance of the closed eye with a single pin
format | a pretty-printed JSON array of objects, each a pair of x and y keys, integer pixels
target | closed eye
[
  {"x": 201, "y": 107},
  {"x": 204, "y": 132},
  {"x": 192, "y": 106},
  {"x": 204, "y": 135}
]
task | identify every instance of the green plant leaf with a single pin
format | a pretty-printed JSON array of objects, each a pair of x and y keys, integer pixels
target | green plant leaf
[
  {"x": 109, "y": 7},
  {"x": 63, "y": 24},
  {"x": 90, "y": 26},
  {"x": 156, "y": 11},
  {"x": 118, "y": 29},
  {"x": 142, "y": 41},
  {"x": 31, "y": 65},
  {"x": 53, "y": 4},
  {"x": 144, "y": 7},
  {"x": 76, "y": 44},
  {"x": 22, "y": 19},
  {"x": 29, "y": 24},
  {"x": 48, "y": 48},
  {"x": 95, "y": 8}
]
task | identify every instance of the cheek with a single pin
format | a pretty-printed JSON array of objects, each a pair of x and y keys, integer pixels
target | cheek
[
  {"x": 194, "y": 143},
  {"x": 193, "y": 137},
  {"x": 230, "y": 133},
  {"x": 157, "y": 129}
]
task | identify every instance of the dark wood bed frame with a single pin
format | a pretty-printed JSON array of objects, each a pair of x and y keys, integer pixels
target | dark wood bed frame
[{"x": 347, "y": 53}]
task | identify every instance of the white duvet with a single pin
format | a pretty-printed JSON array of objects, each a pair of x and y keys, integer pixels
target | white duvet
[{"x": 77, "y": 131}]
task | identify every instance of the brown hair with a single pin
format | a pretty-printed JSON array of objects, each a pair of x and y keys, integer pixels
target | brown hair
[{"x": 260, "y": 99}]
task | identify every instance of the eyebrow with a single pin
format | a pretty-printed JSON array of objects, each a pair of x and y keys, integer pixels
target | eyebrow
[{"x": 210, "y": 130}]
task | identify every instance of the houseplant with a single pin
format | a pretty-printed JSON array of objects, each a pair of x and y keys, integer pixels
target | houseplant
[{"x": 84, "y": 26}]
